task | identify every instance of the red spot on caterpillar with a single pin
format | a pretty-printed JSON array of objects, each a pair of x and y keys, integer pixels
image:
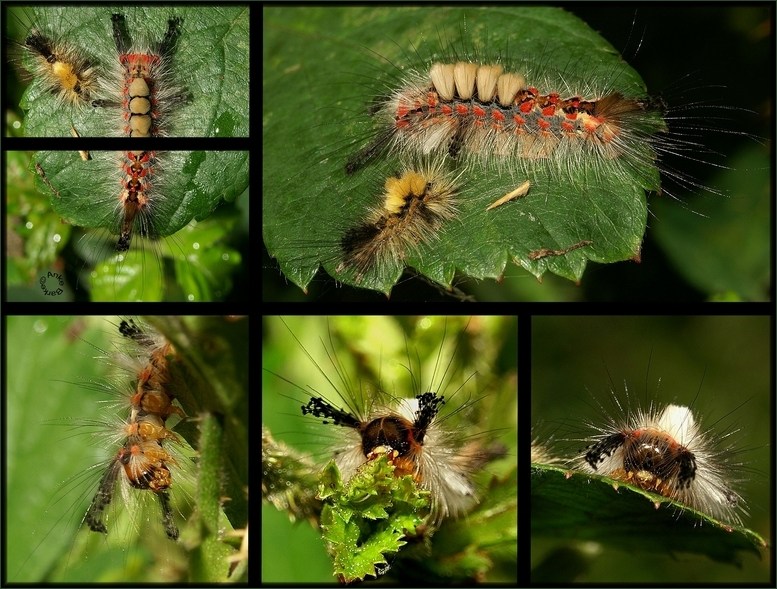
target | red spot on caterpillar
[
  {"x": 134, "y": 197},
  {"x": 421, "y": 114}
]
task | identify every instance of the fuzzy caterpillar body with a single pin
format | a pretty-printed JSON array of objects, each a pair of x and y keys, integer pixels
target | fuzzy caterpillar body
[
  {"x": 666, "y": 452},
  {"x": 120, "y": 424},
  {"x": 143, "y": 461},
  {"x": 62, "y": 68},
  {"x": 140, "y": 87},
  {"x": 489, "y": 117},
  {"x": 416, "y": 204}
]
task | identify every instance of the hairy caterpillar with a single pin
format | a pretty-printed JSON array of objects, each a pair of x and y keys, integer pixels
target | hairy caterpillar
[
  {"x": 62, "y": 69},
  {"x": 105, "y": 34},
  {"x": 126, "y": 478},
  {"x": 439, "y": 38},
  {"x": 146, "y": 97},
  {"x": 726, "y": 439},
  {"x": 408, "y": 210},
  {"x": 493, "y": 116},
  {"x": 383, "y": 388},
  {"x": 663, "y": 450},
  {"x": 112, "y": 420},
  {"x": 141, "y": 81},
  {"x": 416, "y": 203}
]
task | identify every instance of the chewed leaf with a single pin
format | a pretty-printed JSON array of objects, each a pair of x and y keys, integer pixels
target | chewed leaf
[{"x": 368, "y": 518}]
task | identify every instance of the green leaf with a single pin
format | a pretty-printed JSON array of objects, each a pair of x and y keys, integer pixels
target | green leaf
[
  {"x": 329, "y": 89},
  {"x": 209, "y": 560},
  {"x": 213, "y": 352},
  {"x": 369, "y": 517},
  {"x": 186, "y": 186},
  {"x": 30, "y": 222},
  {"x": 203, "y": 265},
  {"x": 589, "y": 507},
  {"x": 210, "y": 62},
  {"x": 484, "y": 545},
  {"x": 289, "y": 479}
]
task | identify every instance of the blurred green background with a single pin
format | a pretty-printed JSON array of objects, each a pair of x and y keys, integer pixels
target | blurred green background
[{"x": 720, "y": 366}]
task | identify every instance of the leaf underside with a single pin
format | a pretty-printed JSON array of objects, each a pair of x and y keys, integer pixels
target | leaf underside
[{"x": 587, "y": 507}]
